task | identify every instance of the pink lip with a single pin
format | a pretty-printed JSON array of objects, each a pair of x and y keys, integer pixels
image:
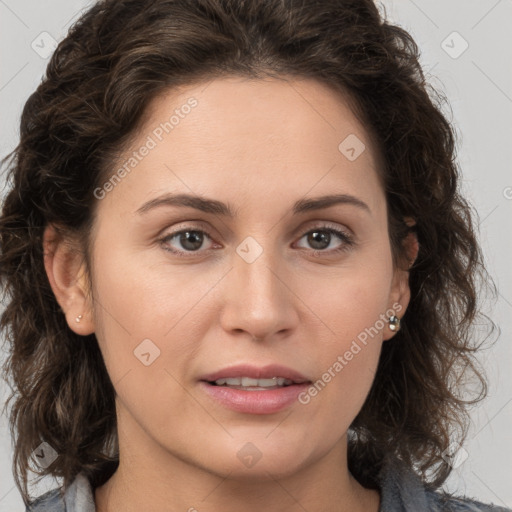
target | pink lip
[
  {"x": 265, "y": 372},
  {"x": 255, "y": 402}
]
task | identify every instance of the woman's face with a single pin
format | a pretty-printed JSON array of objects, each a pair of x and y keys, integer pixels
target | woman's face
[{"x": 269, "y": 285}]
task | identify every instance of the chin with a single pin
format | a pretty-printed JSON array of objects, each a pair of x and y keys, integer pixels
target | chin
[{"x": 260, "y": 460}]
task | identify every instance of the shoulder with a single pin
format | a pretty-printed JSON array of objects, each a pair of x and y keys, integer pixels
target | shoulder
[
  {"x": 78, "y": 497},
  {"x": 447, "y": 503},
  {"x": 51, "y": 501},
  {"x": 403, "y": 491}
]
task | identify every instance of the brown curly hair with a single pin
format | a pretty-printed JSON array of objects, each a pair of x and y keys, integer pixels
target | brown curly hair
[{"x": 119, "y": 56}]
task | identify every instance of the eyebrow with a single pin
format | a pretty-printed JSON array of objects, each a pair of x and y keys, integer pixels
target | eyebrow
[{"x": 219, "y": 208}]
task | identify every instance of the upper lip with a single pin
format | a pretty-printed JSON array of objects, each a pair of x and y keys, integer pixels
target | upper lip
[{"x": 255, "y": 372}]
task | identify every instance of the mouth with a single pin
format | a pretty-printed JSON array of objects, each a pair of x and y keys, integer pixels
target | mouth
[
  {"x": 250, "y": 384},
  {"x": 255, "y": 390},
  {"x": 247, "y": 376}
]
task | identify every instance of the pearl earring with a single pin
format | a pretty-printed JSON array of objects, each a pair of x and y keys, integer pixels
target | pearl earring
[
  {"x": 78, "y": 318},
  {"x": 394, "y": 323}
]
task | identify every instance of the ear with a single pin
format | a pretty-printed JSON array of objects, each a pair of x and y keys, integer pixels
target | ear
[
  {"x": 400, "y": 291},
  {"x": 66, "y": 271}
]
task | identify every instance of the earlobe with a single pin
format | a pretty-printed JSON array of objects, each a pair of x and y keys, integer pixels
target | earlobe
[
  {"x": 400, "y": 297},
  {"x": 65, "y": 269},
  {"x": 401, "y": 292}
]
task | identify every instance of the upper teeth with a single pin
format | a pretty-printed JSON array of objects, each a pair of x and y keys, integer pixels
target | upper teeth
[{"x": 247, "y": 381}]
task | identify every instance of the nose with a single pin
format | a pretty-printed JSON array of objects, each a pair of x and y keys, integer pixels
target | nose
[{"x": 259, "y": 300}]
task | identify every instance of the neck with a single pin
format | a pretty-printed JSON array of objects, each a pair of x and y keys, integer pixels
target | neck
[
  {"x": 151, "y": 476},
  {"x": 323, "y": 485}
]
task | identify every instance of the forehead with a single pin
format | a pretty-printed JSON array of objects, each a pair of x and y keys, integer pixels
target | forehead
[
  {"x": 252, "y": 137},
  {"x": 279, "y": 110}
]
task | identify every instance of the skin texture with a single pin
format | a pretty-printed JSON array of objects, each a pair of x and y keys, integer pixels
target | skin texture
[{"x": 259, "y": 145}]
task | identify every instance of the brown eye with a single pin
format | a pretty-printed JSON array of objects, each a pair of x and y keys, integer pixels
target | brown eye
[
  {"x": 188, "y": 241},
  {"x": 321, "y": 237}
]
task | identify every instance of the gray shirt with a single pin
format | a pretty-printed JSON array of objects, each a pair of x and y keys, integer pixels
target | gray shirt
[{"x": 401, "y": 491}]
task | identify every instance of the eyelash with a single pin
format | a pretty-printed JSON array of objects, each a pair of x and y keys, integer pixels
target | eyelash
[{"x": 347, "y": 240}]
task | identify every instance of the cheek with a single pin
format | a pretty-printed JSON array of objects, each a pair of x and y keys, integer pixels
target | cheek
[
  {"x": 347, "y": 369},
  {"x": 349, "y": 300},
  {"x": 352, "y": 308},
  {"x": 141, "y": 320},
  {"x": 139, "y": 292},
  {"x": 138, "y": 311}
]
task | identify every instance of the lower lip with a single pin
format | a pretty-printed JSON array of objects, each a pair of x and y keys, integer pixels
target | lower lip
[{"x": 255, "y": 402}]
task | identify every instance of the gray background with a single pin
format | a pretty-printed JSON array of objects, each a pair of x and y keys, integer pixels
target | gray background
[{"x": 477, "y": 83}]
